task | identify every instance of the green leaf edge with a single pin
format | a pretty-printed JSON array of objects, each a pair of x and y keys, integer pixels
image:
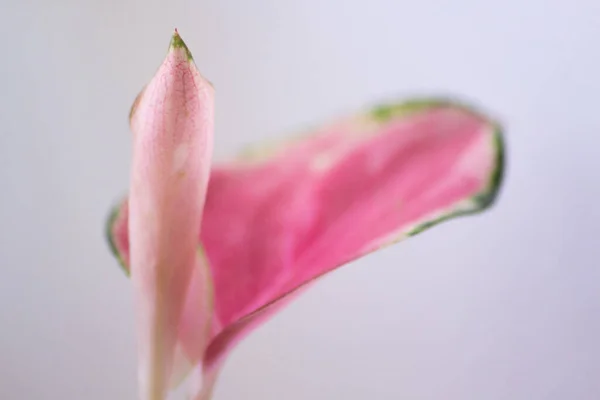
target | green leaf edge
[
  {"x": 112, "y": 217},
  {"x": 482, "y": 200}
]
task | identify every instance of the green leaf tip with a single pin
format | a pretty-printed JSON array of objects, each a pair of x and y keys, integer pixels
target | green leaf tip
[{"x": 178, "y": 43}]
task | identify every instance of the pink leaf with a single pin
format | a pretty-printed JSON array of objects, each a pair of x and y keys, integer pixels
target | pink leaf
[
  {"x": 172, "y": 125},
  {"x": 279, "y": 218}
]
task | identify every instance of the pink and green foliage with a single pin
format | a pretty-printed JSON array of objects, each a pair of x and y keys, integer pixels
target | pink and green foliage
[{"x": 214, "y": 250}]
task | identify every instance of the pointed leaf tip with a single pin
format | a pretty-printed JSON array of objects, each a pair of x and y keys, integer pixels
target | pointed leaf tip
[{"x": 178, "y": 43}]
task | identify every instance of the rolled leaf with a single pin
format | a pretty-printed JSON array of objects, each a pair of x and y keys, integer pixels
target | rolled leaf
[{"x": 172, "y": 125}]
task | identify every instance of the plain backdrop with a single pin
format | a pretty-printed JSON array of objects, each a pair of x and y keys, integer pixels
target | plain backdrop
[{"x": 502, "y": 306}]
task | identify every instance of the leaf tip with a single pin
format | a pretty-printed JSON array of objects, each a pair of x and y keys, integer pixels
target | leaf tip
[{"x": 177, "y": 43}]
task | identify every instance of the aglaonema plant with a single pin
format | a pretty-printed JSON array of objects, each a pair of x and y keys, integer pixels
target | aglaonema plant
[{"x": 214, "y": 250}]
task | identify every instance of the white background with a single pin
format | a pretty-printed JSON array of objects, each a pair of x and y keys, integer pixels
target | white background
[{"x": 503, "y": 306}]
